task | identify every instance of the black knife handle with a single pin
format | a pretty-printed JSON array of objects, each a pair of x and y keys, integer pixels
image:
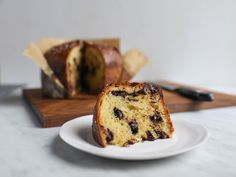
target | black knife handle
[{"x": 194, "y": 94}]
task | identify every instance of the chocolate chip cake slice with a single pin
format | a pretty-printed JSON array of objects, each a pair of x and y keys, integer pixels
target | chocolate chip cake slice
[{"x": 130, "y": 112}]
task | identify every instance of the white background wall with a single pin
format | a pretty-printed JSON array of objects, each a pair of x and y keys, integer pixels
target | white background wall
[{"x": 191, "y": 41}]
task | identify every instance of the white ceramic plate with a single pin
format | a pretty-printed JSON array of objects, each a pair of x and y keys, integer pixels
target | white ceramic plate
[{"x": 187, "y": 136}]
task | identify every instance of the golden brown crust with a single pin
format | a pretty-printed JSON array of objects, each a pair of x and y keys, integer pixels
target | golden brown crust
[
  {"x": 57, "y": 60},
  {"x": 114, "y": 42},
  {"x": 167, "y": 115},
  {"x": 113, "y": 64},
  {"x": 97, "y": 129},
  {"x": 96, "y": 125}
]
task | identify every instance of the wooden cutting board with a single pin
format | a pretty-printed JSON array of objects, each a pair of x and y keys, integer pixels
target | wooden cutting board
[{"x": 55, "y": 112}]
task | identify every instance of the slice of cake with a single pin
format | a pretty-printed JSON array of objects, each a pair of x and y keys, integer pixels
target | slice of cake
[
  {"x": 130, "y": 112},
  {"x": 64, "y": 59}
]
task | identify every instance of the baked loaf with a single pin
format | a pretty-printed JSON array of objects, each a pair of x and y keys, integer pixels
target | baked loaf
[
  {"x": 130, "y": 112},
  {"x": 82, "y": 66}
]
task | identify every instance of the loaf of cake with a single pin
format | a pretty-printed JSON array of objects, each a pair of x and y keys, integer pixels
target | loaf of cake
[
  {"x": 83, "y": 66},
  {"x": 71, "y": 68},
  {"x": 128, "y": 113}
]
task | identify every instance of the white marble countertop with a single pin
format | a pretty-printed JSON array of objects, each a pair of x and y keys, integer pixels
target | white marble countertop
[{"x": 27, "y": 150}]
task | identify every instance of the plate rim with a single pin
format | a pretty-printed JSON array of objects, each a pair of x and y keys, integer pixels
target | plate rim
[{"x": 139, "y": 157}]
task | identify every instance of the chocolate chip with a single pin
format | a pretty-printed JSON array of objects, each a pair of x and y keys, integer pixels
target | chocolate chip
[
  {"x": 130, "y": 142},
  {"x": 153, "y": 89},
  {"x": 144, "y": 138},
  {"x": 150, "y": 88},
  {"x": 118, "y": 113},
  {"x": 134, "y": 94},
  {"x": 109, "y": 135},
  {"x": 156, "y": 118},
  {"x": 137, "y": 93},
  {"x": 134, "y": 127},
  {"x": 150, "y": 137},
  {"x": 161, "y": 134},
  {"x": 93, "y": 70},
  {"x": 124, "y": 93},
  {"x": 119, "y": 93},
  {"x": 146, "y": 89}
]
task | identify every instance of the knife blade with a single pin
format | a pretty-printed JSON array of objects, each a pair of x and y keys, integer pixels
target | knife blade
[{"x": 195, "y": 94}]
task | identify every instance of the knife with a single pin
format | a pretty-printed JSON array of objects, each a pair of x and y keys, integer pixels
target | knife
[
  {"x": 191, "y": 93},
  {"x": 7, "y": 89}
]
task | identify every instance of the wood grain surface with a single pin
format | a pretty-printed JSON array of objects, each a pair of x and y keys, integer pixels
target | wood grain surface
[{"x": 55, "y": 112}]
